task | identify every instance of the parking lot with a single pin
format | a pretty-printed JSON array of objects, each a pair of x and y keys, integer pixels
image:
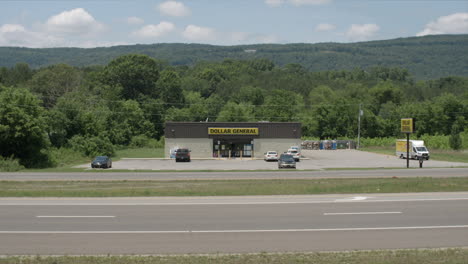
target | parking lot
[{"x": 313, "y": 159}]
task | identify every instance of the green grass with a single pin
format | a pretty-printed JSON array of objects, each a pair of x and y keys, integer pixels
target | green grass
[
  {"x": 139, "y": 153},
  {"x": 436, "y": 154},
  {"x": 414, "y": 256},
  {"x": 227, "y": 187}
]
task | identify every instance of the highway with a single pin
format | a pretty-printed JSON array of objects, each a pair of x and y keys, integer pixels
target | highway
[
  {"x": 174, "y": 225},
  {"x": 232, "y": 175}
]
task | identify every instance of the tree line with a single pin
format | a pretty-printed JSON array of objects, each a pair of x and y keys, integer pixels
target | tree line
[
  {"x": 94, "y": 109},
  {"x": 427, "y": 57}
]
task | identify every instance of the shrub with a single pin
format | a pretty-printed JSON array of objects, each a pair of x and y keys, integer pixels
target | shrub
[
  {"x": 455, "y": 140},
  {"x": 92, "y": 146},
  {"x": 142, "y": 141},
  {"x": 10, "y": 164},
  {"x": 66, "y": 156}
]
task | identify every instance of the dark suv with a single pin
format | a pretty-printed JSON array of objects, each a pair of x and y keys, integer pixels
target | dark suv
[
  {"x": 286, "y": 161},
  {"x": 101, "y": 162},
  {"x": 182, "y": 155}
]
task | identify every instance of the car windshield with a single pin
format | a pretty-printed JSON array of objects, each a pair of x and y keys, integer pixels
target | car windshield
[
  {"x": 421, "y": 149},
  {"x": 285, "y": 157},
  {"x": 293, "y": 151},
  {"x": 272, "y": 153},
  {"x": 182, "y": 150},
  {"x": 100, "y": 158}
]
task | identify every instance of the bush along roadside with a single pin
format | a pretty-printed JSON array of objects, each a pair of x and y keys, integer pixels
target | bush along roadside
[{"x": 10, "y": 164}]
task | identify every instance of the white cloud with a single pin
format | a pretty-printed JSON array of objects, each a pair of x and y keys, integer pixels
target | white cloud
[
  {"x": 17, "y": 35},
  {"x": 173, "y": 8},
  {"x": 155, "y": 31},
  {"x": 75, "y": 21},
  {"x": 276, "y": 3},
  {"x": 135, "y": 20},
  {"x": 452, "y": 24},
  {"x": 325, "y": 27},
  {"x": 196, "y": 33},
  {"x": 362, "y": 32}
]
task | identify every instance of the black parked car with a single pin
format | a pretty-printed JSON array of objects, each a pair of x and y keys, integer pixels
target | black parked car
[
  {"x": 182, "y": 154},
  {"x": 101, "y": 162},
  {"x": 286, "y": 161}
]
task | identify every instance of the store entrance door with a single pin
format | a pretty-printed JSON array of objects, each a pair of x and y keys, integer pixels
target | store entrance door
[{"x": 232, "y": 148}]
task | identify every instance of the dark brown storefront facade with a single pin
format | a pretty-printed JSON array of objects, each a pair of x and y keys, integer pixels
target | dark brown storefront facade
[{"x": 231, "y": 139}]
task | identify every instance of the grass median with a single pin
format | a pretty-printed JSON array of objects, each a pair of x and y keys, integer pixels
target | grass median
[
  {"x": 427, "y": 256},
  {"x": 228, "y": 187},
  {"x": 436, "y": 154}
]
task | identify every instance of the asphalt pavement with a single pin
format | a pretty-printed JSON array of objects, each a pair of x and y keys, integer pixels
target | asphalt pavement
[
  {"x": 169, "y": 225},
  {"x": 312, "y": 160},
  {"x": 109, "y": 175}
]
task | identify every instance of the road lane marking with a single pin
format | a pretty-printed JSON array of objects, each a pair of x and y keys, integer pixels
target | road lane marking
[
  {"x": 239, "y": 231},
  {"x": 75, "y": 216},
  {"x": 363, "y": 213},
  {"x": 351, "y": 199}
]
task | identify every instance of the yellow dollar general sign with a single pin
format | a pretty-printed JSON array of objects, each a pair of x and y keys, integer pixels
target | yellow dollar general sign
[
  {"x": 407, "y": 125},
  {"x": 232, "y": 131}
]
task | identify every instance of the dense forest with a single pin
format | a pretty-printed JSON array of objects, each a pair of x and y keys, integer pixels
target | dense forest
[
  {"x": 426, "y": 58},
  {"x": 91, "y": 110}
]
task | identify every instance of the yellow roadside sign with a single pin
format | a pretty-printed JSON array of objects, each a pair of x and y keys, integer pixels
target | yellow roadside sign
[{"x": 407, "y": 125}]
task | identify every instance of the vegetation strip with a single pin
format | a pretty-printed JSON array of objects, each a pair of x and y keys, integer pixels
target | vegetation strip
[
  {"x": 427, "y": 256},
  {"x": 436, "y": 154},
  {"x": 127, "y": 188}
]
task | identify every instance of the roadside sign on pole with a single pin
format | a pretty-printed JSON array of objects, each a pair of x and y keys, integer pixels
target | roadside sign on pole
[{"x": 407, "y": 125}]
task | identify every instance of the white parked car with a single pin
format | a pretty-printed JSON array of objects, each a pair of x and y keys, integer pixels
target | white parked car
[
  {"x": 271, "y": 155},
  {"x": 295, "y": 153}
]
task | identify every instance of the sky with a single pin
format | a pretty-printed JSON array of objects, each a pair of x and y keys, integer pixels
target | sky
[{"x": 103, "y": 23}]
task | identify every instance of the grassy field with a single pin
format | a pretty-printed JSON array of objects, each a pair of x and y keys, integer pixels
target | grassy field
[
  {"x": 227, "y": 187},
  {"x": 443, "y": 155},
  {"x": 139, "y": 153},
  {"x": 426, "y": 256}
]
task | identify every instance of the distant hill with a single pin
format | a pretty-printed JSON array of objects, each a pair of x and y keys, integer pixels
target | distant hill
[{"x": 428, "y": 57}]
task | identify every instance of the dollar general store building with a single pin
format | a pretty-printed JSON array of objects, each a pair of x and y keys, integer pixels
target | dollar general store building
[{"x": 231, "y": 140}]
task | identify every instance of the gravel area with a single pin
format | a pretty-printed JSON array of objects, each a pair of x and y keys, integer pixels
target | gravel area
[{"x": 313, "y": 159}]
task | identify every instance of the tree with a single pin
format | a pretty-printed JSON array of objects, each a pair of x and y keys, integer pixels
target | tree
[
  {"x": 455, "y": 140},
  {"x": 136, "y": 74},
  {"x": 250, "y": 94},
  {"x": 233, "y": 112},
  {"x": 281, "y": 106},
  {"x": 22, "y": 128},
  {"x": 171, "y": 91},
  {"x": 126, "y": 121},
  {"x": 54, "y": 81},
  {"x": 322, "y": 95}
]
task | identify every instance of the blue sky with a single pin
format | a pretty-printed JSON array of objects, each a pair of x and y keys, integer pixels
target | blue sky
[{"x": 93, "y": 23}]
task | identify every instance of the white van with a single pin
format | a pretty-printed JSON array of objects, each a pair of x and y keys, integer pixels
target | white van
[{"x": 416, "y": 149}]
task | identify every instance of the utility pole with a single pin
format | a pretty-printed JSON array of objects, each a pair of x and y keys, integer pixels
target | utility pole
[{"x": 359, "y": 127}]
